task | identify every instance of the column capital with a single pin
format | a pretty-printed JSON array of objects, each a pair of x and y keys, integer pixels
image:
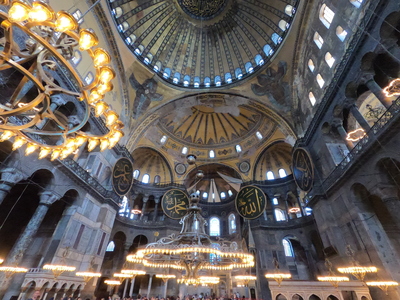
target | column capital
[
  {"x": 336, "y": 122},
  {"x": 350, "y": 102},
  {"x": 48, "y": 197},
  {"x": 12, "y": 175},
  {"x": 367, "y": 76}
]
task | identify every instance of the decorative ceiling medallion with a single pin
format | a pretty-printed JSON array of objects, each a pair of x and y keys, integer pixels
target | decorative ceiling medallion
[
  {"x": 250, "y": 202},
  {"x": 303, "y": 169},
  {"x": 203, "y": 10},
  {"x": 122, "y": 176},
  {"x": 180, "y": 169},
  {"x": 175, "y": 204},
  {"x": 244, "y": 167}
]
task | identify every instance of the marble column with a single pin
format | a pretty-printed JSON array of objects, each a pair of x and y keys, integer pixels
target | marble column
[
  {"x": 376, "y": 90},
  {"x": 359, "y": 117},
  {"x": 9, "y": 177},
  {"x": 165, "y": 288},
  {"x": 132, "y": 286},
  {"x": 149, "y": 286},
  {"x": 145, "y": 200},
  {"x": 125, "y": 288},
  {"x": 338, "y": 124},
  {"x": 156, "y": 210}
]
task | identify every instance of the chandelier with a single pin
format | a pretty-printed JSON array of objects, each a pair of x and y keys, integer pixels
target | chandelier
[
  {"x": 277, "y": 275},
  {"x": 10, "y": 271},
  {"x": 332, "y": 278},
  {"x": 192, "y": 250},
  {"x": 383, "y": 285},
  {"x": 356, "y": 269},
  {"x": 36, "y": 50},
  {"x": 87, "y": 275},
  {"x": 57, "y": 270}
]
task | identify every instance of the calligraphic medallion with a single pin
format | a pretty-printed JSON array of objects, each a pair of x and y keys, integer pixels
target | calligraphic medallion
[
  {"x": 122, "y": 176},
  {"x": 250, "y": 202},
  {"x": 175, "y": 204},
  {"x": 303, "y": 169}
]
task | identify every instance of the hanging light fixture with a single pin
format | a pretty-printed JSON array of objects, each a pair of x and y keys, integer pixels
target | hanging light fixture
[
  {"x": 383, "y": 285},
  {"x": 10, "y": 271},
  {"x": 245, "y": 278},
  {"x": 278, "y": 275},
  {"x": 30, "y": 115},
  {"x": 332, "y": 278},
  {"x": 58, "y": 269},
  {"x": 112, "y": 282},
  {"x": 87, "y": 275},
  {"x": 356, "y": 269}
]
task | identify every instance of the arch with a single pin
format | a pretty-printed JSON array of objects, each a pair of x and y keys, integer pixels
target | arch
[
  {"x": 287, "y": 247},
  {"x": 331, "y": 297},
  {"x": 138, "y": 241},
  {"x": 280, "y": 215},
  {"x": 318, "y": 40},
  {"x": 232, "y": 223},
  {"x": 391, "y": 26},
  {"x": 110, "y": 246},
  {"x": 314, "y": 297},
  {"x": 341, "y": 33},
  {"x": 280, "y": 297},
  {"x": 297, "y": 297},
  {"x": 326, "y": 15},
  {"x": 215, "y": 227}
]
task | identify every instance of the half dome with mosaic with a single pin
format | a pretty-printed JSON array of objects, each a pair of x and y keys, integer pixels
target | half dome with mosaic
[{"x": 203, "y": 53}]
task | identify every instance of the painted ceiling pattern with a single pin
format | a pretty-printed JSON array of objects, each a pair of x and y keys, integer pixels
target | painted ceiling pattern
[{"x": 203, "y": 44}]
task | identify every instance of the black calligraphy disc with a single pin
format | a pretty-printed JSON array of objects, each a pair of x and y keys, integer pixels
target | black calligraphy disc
[
  {"x": 175, "y": 204},
  {"x": 250, "y": 202},
  {"x": 122, "y": 176},
  {"x": 303, "y": 169}
]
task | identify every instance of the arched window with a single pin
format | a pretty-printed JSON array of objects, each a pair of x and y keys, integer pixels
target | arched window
[
  {"x": 311, "y": 65},
  {"x": 238, "y": 148},
  {"x": 157, "y": 66},
  {"x": 163, "y": 139},
  {"x": 283, "y": 25},
  {"x": 77, "y": 57},
  {"x": 232, "y": 223},
  {"x": 177, "y": 77},
  {"x": 207, "y": 81},
  {"x": 223, "y": 195},
  {"x": 289, "y": 10},
  {"x": 259, "y": 60},
  {"x": 312, "y": 98},
  {"x": 117, "y": 12},
  {"x": 279, "y": 215},
  {"x": 320, "y": 81},
  {"x": 308, "y": 211},
  {"x": 318, "y": 40},
  {"x": 157, "y": 179},
  {"x": 89, "y": 78},
  {"x": 186, "y": 80},
  {"x": 139, "y": 50},
  {"x": 268, "y": 50},
  {"x": 184, "y": 150},
  {"x": 136, "y": 174},
  {"x": 326, "y": 15},
  {"x": 341, "y": 33},
  {"x": 330, "y": 60},
  {"x": 211, "y": 154},
  {"x": 110, "y": 247},
  {"x": 238, "y": 73},
  {"x": 356, "y": 3},
  {"x": 282, "y": 173},
  {"x": 148, "y": 59},
  {"x": 124, "y": 206},
  {"x": 146, "y": 178},
  {"x": 259, "y": 135},
  {"x": 287, "y": 246},
  {"x": 276, "y": 38},
  {"x": 196, "y": 82},
  {"x": 249, "y": 67},
  {"x": 270, "y": 175},
  {"x": 123, "y": 27},
  {"x": 275, "y": 201},
  {"x": 205, "y": 195},
  {"x": 214, "y": 227},
  {"x": 167, "y": 73},
  {"x": 228, "y": 77},
  {"x": 217, "y": 80},
  {"x": 230, "y": 193}
]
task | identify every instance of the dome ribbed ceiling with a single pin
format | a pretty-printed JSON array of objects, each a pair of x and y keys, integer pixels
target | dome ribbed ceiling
[
  {"x": 203, "y": 43},
  {"x": 274, "y": 158},
  {"x": 205, "y": 127}
]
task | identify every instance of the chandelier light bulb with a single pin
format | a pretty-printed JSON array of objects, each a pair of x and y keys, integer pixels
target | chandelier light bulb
[
  {"x": 100, "y": 108},
  {"x": 93, "y": 143},
  {"x": 30, "y": 148},
  {"x": 106, "y": 74},
  {"x": 101, "y": 57},
  {"x": 104, "y": 88},
  {"x": 80, "y": 140},
  {"x": 44, "y": 152},
  {"x": 18, "y": 143},
  {"x": 18, "y": 12},
  {"x": 65, "y": 22},
  {"x": 7, "y": 134},
  {"x": 104, "y": 145},
  {"x": 111, "y": 118},
  {"x": 55, "y": 154},
  {"x": 87, "y": 39},
  {"x": 94, "y": 96},
  {"x": 40, "y": 12}
]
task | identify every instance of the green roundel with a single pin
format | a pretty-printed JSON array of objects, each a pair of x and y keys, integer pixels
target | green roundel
[
  {"x": 175, "y": 204},
  {"x": 122, "y": 176},
  {"x": 250, "y": 202}
]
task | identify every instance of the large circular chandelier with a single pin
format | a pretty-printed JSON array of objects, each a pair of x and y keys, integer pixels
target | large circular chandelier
[
  {"x": 36, "y": 50},
  {"x": 192, "y": 250}
]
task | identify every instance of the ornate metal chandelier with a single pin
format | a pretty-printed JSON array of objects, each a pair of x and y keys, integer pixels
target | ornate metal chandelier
[
  {"x": 192, "y": 250},
  {"x": 36, "y": 50}
]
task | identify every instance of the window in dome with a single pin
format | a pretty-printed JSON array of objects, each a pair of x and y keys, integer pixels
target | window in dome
[
  {"x": 217, "y": 80},
  {"x": 186, "y": 80},
  {"x": 356, "y": 3},
  {"x": 110, "y": 247},
  {"x": 270, "y": 175},
  {"x": 275, "y": 201},
  {"x": 163, "y": 139},
  {"x": 311, "y": 65},
  {"x": 157, "y": 66},
  {"x": 136, "y": 174},
  {"x": 282, "y": 173},
  {"x": 123, "y": 26},
  {"x": 238, "y": 73},
  {"x": 308, "y": 211},
  {"x": 330, "y": 60},
  {"x": 167, "y": 73},
  {"x": 259, "y": 135},
  {"x": 279, "y": 215},
  {"x": 283, "y": 25},
  {"x": 117, "y": 12},
  {"x": 249, "y": 67},
  {"x": 268, "y": 50},
  {"x": 312, "y": 98},
  {"x": 157, "y": 179},
  {"x": 146, "y": 178},
  {"x": 132, "y": 38},
  {"x": 230, "y": 193},
  {"x": 232, "y": 223},
  {"x": 326, "y": 15},
  {"x": 259, "y": 60},
  {"x": 214, "y": 226},
  {"x": 185, "y": 150},
  {"x": 139, "y": 50},
  {"x": 318, "y": 40},
  {"x": 78, "y": 15},
  {"x": 89, "y": 78},
  {"x": 124, "y": 206},
  {"x": 205, "y": 195},
  {"x": 207, "y": 81},
  {"x": 177, "y": 77},
  {"x": 77, "y": 57},
  {"x": 228, "y": 77},
  {"x": 196, "y": 82},
  {"x": 287, "y": 246},
  {"x": 341, "y": 33},
  {"x": 223, "y": 195},
  {"x": 276, "y": 38},
  {"x": 238, "y": 148},
  {"x": 289, "y": 10},
  {"x": 148, "y": 59},
  {"x": 128, "y": 40},
  {"x": 211, "y": 154},
  {"x": 320, "y": 81}
]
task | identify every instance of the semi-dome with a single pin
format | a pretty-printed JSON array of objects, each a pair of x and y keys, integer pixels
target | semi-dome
[{"x": 203, "y": 44}]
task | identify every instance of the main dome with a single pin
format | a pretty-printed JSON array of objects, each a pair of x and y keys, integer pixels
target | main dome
[{"x": 203, "y": 43}]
